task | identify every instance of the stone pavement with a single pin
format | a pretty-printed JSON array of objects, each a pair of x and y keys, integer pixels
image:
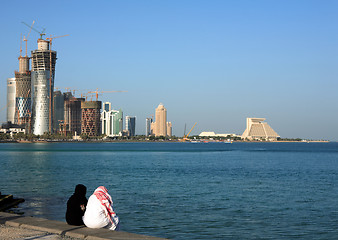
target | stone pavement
[
  {"x": 15, "y": 233},
  {"x": 13, "y": 226}
]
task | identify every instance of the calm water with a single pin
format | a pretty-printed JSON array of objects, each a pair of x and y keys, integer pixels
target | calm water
[{"x": 186, "y": 190}]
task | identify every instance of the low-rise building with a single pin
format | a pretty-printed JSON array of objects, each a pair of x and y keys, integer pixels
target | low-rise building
[
  {"x": 12, "y": 128},
  {"x": 213, "y": 134}
]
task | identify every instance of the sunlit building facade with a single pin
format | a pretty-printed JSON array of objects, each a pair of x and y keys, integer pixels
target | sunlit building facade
[
  {"x": 257, "y": 129},
  {"x": 11, "y": 99},
  {"x": 112, "y": 122},
  {"x": 148, "y": 126},
  {"x": 130, "y": 125},
  {"x": 160, "y": 126},
  {"x": 42, "y": 85}
]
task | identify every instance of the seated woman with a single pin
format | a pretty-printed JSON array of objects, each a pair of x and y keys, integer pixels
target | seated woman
[
  {"x": 76, "y": 206},
  {"x": 99, "y": 212}
]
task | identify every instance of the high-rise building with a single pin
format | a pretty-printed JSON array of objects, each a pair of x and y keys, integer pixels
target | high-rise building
[
  {"x": 11, "y": 99},
  {"x": 256, "y": 129},
  {"x": 42, "y": 85},
  {"x": 112, "y": 122},
  {"x": 91, "y": 124},
  {"x": 72, "y": 113},
  {"x": 106, "y": 123},
  {"x": 23, "y": 91},
  {"x": 130, "y": 125},
  {"x": 169, "y": 129},
  {"x": 148, "y": 126},
  {"x": 118, "y": 122},
  {"x": 160, "y": 126}
]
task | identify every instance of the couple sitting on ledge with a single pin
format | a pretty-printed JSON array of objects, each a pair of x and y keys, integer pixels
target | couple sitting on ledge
[{"x": 98, "y": 212}]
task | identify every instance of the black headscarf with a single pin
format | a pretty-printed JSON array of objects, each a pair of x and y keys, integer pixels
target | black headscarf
[
  {"x": 80, "y": 190},
  {"x": 74, "y": 212}
]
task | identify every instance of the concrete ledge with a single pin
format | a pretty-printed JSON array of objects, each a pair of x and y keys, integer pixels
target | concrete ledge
[{"x": 63, "y": 229}]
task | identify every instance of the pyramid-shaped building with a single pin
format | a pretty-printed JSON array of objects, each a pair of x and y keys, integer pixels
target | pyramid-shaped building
[{"x": 256, "y": 129}]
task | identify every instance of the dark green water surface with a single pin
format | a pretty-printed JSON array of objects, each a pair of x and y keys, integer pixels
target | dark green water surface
[{"x": 186, "y": 190}]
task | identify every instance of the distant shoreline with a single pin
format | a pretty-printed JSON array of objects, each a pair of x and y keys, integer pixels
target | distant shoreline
[{"x": 164, "y": 141}]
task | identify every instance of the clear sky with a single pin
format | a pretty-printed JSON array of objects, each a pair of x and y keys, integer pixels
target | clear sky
[{"x": 211, "y": 62}]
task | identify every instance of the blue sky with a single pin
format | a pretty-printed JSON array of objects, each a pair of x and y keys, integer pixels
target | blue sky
[{"x": 211, "y": 62}]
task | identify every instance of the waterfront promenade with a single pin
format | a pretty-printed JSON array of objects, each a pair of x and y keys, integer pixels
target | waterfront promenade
[{"x": 13, "y": 226}]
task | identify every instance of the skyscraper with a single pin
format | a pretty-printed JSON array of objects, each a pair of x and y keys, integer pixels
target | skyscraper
[
  {"x": 43, "y": 71},
  {"x": 130, "y": 125},
  {"x": 72, "y": 113},
  {"x": 160, "y": 126},
  {"x": 11, "y": 99},
  {"x": 118, "y": 122},
  {"x": 90, "y": 125},
  {"x": 169, "y": 129},
  {"x": 112, "y": 122},
  {"x": 148, "y": 126},
  {"x": 23, "y": 91},
  {"x": 160, "y": 121}
]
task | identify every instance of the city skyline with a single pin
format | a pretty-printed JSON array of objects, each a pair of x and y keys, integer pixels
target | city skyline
[{"x": 215, "y": 63}]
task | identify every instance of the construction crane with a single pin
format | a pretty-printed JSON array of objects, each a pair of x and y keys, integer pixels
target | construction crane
[
  {"x": 97, "y": 92},
  {"x": 71, "y": 90},
  {"x": 185, "y": 137},
  {"x": 42, "y": 33},
  {"x": 26, "y": 39},
  {"x": 51, "y": 38},
  {"x": 85, "y": 96},
  {"x": 21, "y": 44}
]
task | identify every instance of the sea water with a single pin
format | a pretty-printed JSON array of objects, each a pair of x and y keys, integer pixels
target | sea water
[{"x": 186, "y": 190}]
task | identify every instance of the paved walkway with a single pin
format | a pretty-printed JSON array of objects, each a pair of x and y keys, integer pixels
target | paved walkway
[{"x": 13, "y": 226}]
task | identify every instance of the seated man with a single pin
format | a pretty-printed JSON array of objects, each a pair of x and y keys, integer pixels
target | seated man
[
  {"x": 99, "y": 212},
  {"x": 76, "y": 206}
]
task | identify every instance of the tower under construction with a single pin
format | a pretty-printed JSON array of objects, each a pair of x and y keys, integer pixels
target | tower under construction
[
  {"x": 23, "y": 92},
  {"x": 73, "y": 115},
  {"x": 91, "y": 118},
  {"x": 42, "y": 85}
]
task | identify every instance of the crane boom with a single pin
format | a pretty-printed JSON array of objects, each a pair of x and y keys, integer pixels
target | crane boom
[
  {"x": 190, "y": 130},
  {"x": 26, "y": 39},
  {"x": 31, "y": 27},
  {"x": 50, "y": 38},
  {"x": 97, "y": 92}
]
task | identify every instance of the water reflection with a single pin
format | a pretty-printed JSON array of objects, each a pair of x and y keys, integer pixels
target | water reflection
[{"x": 28, "y": 173}]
